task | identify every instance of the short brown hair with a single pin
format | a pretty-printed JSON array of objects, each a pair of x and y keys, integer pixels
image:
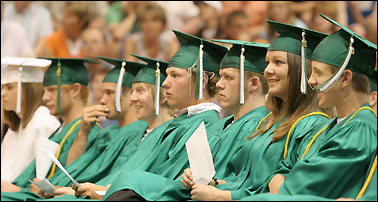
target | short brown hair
[
  {"x": 211, "y": 86},
  {"x": 154, "y": 8},
  {"x": 84, "y": 92},
  {"x": 263, "y": 81},
  {"x": 360, "y": 82},
  {"x": 31, "y": 99},
  {"x": 80, "y": 9}
]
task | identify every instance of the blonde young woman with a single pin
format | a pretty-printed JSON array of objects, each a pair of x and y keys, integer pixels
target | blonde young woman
[{"x": 294, "y": 112}]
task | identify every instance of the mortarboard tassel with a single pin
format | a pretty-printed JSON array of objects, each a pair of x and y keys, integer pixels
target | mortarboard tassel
[
  {"x": 325, "y": 85},
  {"x": 18, "y": 105},
  {"x": 157, "y": 89},
  {"x": 118, "y": 88},
  {"x": 303, "y": 64},
  {"x": 242, "y": 59},
  {"x": 58, "y": 74},
  {"x": 201, "y": 72}
]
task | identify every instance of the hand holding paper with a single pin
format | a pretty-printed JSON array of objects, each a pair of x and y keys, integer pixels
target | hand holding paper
[
  {"x": 200, "y": 158},
  {"x": 43, "y": 163}
]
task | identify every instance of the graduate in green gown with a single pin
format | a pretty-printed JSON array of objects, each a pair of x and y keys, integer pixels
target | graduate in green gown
[
  {"x": 65, "y": 94},
  {"x": 342, "y": 63},
  {"x": 190, "y": 84},
  {"x": 115, "y": 143},
  {"x": 367, "y": 193},
  {"x": 155, "y": 113},
  {"x": 226, "y": 136},
  {"x": 294, "y": 112}
]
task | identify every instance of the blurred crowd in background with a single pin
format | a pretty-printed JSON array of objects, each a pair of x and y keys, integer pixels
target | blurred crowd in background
[{"x": 86, "y": 29}]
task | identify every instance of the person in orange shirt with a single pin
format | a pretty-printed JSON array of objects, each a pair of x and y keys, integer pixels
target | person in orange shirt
[{"x": 66, "y": 42}]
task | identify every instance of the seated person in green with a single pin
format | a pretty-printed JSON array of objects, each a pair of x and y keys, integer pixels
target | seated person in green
[
  {"x": 66, "y": 100},
  {"x": 191, "y": 102},
  {"x": 143, "y": 97},
  {"x": 115, "y": 143},
  {"x": 226, "y": 136},
  {"x": 368, "y": 191},
  {"x": 342, "y": 63},
  {"x": 294, "y": 112}
]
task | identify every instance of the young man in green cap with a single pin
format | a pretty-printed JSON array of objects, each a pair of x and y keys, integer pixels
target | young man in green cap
[
  {"x": 294, "y": 112},
  {"x": 189, "y": 86},
  {"x": 342, "y": 63},
  {"x": 226, "y": 136},
  {"x": 65, "y": 94},
  {"x": 95, "y": 160},
  {"x": 150, "y": 101}
]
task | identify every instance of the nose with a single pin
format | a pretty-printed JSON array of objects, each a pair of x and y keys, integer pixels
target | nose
[
  {"x": 166, "y": 83},
  {"x": 311, "y": 81},
  {"x": 219, "y": 84},
  {"x": 45, "y": 96},
  {"x": 103, "y": 99},
  {"x": 268, "y": 71},
  {"x": 133, "y": 97}
]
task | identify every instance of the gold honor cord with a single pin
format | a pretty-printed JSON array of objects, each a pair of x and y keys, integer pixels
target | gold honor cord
[
  {"x": 263, "y": 119},
  {"x": 358, "y": 111},
  {"x": 295, "y": 123},
  {"x": 62, "y": 142},
  {"x": 372, "y": 169},
  {"x": 61, "y": 145},
  {"x": 312, "y": 141}
]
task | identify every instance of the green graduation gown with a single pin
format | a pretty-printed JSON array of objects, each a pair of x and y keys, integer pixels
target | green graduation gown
[
  {"x": 29, "y": 173},
  {"x": 339, "y": 156},
  {"x": 114, "y": 147},
  {"x": 224, "y": 140},
  {"x": 370, "y": 193},
  {"x": 172, "y": 143},
  {"x": 168, "y": 189}
]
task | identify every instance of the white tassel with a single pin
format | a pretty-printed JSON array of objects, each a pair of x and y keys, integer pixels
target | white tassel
[
  {"x": 118, "y": 89},
  {"x": 324, "y": 86},
  {"x": 157, "y": 89},
  {"x": 18, "y": 105},
  {"x": 303, "y": 58},
  {"x": 242, "y": 59},
  {"x": 201, "y": 73}
]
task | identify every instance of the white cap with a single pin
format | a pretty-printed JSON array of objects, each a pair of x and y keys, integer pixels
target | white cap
[
  {"x": 29, "y": 71},
  {"x": 21, "y": 70}
]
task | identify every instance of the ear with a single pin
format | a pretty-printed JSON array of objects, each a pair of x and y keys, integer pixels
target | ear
[
  {"x": 76, "y": 90},
  {"x": 253, "y": 84},
  {"x": 346, "y": 78},
  {"x": 205, "y": 80},
  {"x": 373, "y": 98}
]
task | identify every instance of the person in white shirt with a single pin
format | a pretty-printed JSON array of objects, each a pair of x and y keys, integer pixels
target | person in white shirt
[
  {"x": 21, "y": 96},
  {"x": 35, "y": 19}
]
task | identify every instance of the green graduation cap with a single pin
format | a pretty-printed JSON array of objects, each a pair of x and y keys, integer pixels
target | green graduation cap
[
  {"x": 153, "y": 73},
  {"x": 122, "y": 74},
  {"x": 297, "y": 40},
  {"x": 345, "y": 49},
  {"x": 193, "y": 51},
  {"x": 66, "y": 71},
  {"x": 245, "y": 55},
  {"x": 373, "y": 81}
]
